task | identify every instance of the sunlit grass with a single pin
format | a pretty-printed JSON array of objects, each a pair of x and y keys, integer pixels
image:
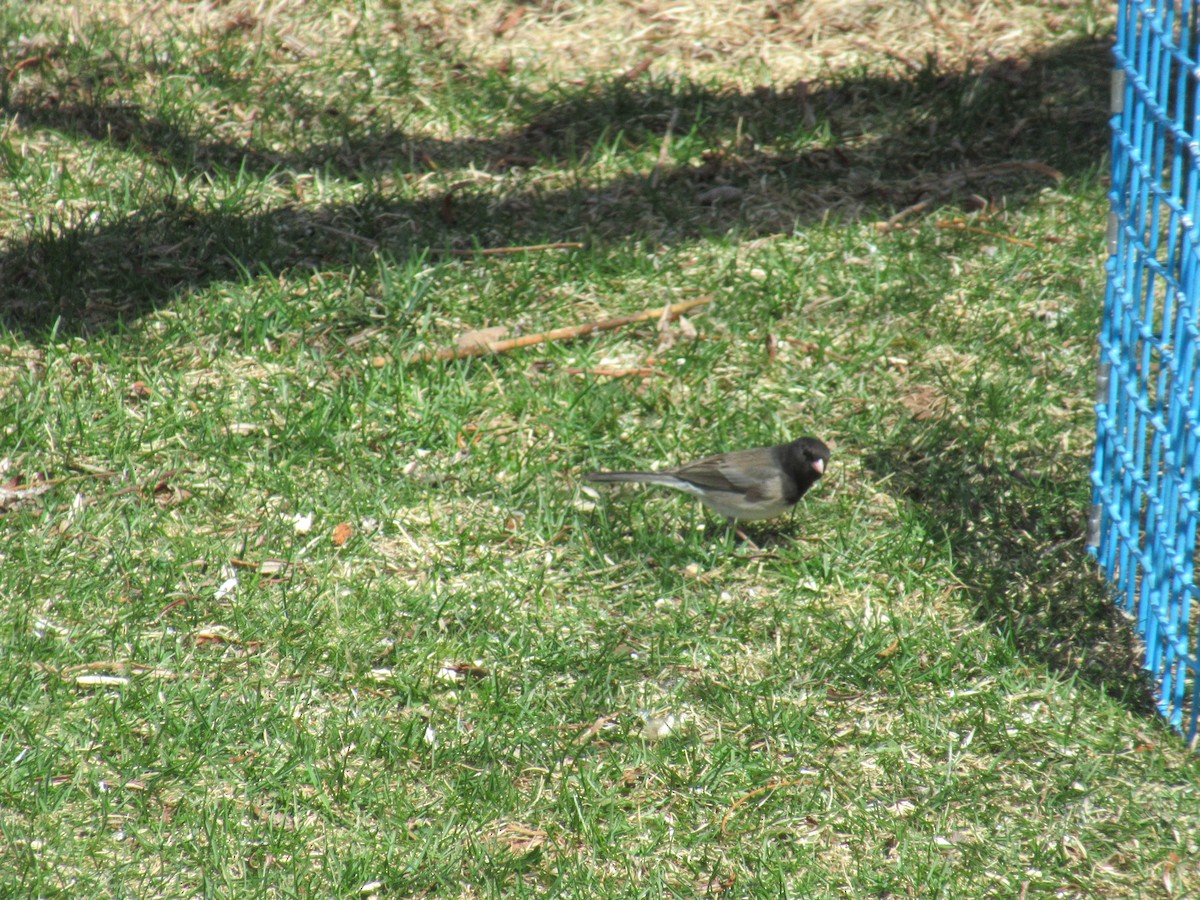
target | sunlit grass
[{"x": 286, "y": 611}]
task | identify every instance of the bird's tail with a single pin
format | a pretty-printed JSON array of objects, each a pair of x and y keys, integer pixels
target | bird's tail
[{"x": 641, "y": 477}]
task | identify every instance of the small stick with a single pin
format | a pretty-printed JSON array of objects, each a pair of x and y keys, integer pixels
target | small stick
[
  {"x": 88, "y": 469},
  {"x": 894, "y": 221},
  {"x": 24, "y": 64},
  {"x": 497, "y": 251},
  {"x": 560, "y": 334},
  {"x": 175, "y": 604},
  {"x": 150, "y": 484},
  {"x": 962, "y": 226},
  {"x": 637, "y": 71},
  {"x": 742, "y": 800},
  {"x": 959, "y": 226},
  {"x": 604, "y": 371},
  {"x": 664, "y": 149},
  {"x": 595, "y": 728},
  {"x": 955, "y": 180}
]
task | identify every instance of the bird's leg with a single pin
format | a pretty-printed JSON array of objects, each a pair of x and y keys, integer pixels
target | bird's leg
[{"x": 745, "y": 537}]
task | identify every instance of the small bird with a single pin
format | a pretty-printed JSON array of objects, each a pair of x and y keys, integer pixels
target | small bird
[{"x": 743, "y": 484}]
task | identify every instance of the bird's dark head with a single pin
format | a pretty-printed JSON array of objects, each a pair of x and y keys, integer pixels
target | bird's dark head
[
  {"x": 807, "y": 460},
  {"x": 810, "y": 453}
]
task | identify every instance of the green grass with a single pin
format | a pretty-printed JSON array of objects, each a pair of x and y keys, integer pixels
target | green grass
[{"x": 219, "y": 257}]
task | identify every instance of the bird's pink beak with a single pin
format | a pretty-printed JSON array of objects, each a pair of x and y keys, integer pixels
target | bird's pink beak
[{"x": 819, "y": 465}]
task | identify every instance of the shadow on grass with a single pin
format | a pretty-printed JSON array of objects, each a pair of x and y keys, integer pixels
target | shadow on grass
[
  {"x": 1017, "y": 536},
  {"x": 860, "y": 147}
]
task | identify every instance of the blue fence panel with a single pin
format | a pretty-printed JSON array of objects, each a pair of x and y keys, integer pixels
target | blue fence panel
[{"x": 1146, "y": 476}]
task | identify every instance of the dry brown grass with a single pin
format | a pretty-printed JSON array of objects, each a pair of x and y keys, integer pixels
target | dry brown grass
[
  {"x": 858, "y": 668},
  {"x": 770, "y": 42},
  {"x": 721, "y": 42}
]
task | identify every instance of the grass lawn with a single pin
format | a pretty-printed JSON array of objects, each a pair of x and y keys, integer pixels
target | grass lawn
[{"x": 289, "y": 609}]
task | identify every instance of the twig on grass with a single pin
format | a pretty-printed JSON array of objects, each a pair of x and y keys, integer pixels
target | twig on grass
[
  {"x": 150, "y": 485},
  {"x": 88, "y": 469},
  {"x": 174, "y": 604},
  {"x": 960, "y": 225},
  {"x": 893, "y": 222},
  {"x": 499, "y": 251},
  {"x": 611, "y": 372},
  {"x": 559, "y": 334},
  {"x": 664, "y": 149},
  {"x": 942, "y": 186},
  {"x": 745, "y": 798}
]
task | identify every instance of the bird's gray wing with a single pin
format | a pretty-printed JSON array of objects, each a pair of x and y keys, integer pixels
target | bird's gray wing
[{"x": 747, "y": 472}]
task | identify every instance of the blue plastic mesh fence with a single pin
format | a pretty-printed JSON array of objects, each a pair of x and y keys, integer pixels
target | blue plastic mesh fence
[{"x": 1146, "y": 475}]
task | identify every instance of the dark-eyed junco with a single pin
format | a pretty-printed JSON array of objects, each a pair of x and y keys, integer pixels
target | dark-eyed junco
[{"x": 744, "y": 484}]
